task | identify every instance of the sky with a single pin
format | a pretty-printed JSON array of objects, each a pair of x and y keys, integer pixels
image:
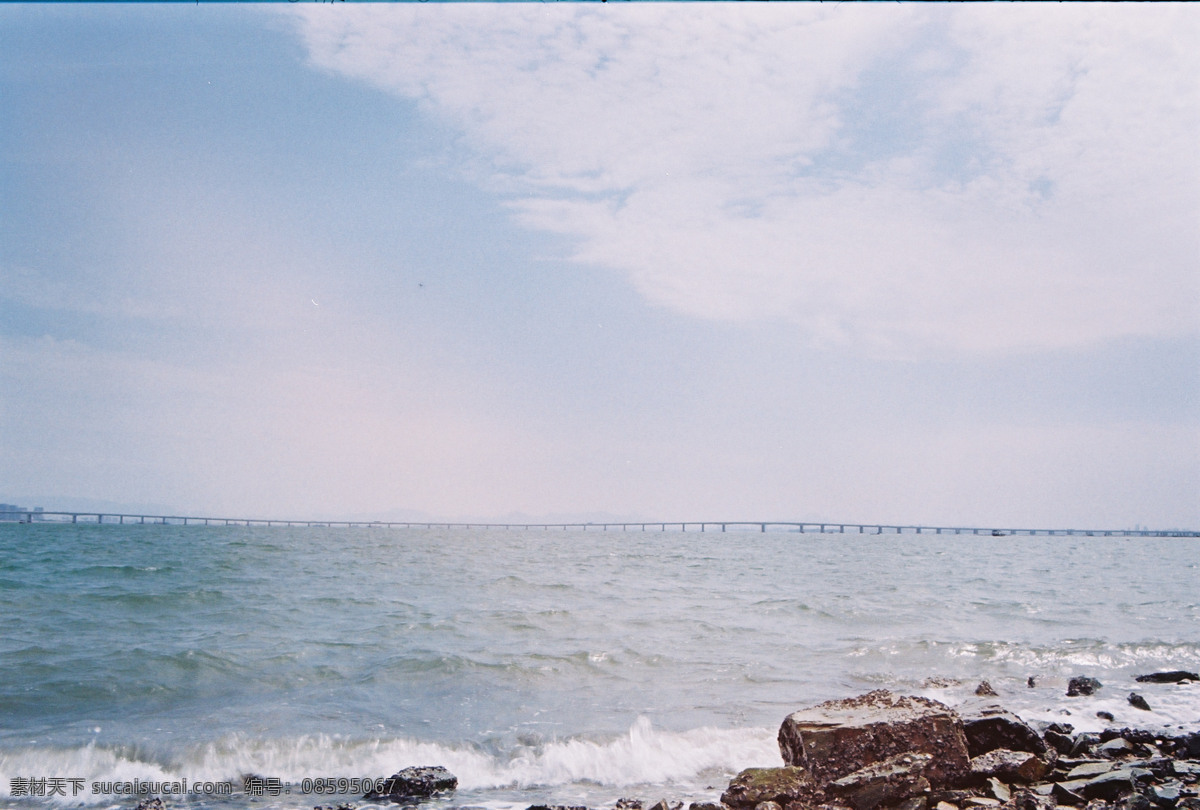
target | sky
[{"x": 932, "y": 264}]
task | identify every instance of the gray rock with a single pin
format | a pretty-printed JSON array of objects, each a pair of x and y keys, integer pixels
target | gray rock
[
  {"x": 1138, "y": 702},
  {"x": 1068, "y": 793},
  {"x": 1010, "y": 766},
  {"x": 1134, "y": 801},
  {"x": 1090, "y": 770},
  {"x": 1110, "y": 786},
  {"x": 1174, "y": 676},
  {"x": 756, "y": 785},
  {"x": 999, "y": 790},
  {"x": 1084, "y": 743},
  {"x": 416, "y": 783},
  {"x": 1031, "y": 800},
  {"x": 1115, "y": 747},
  {"x": 1166, "y": 794},
  {"x": 985, "y": 690},
  {"x": 884, "y": 783},
  {"x": 1062, "y": 743},
  {"x": 1186, "y": 746},
  {"x": 1082, "y": 686},
  {"x": 990, "y": 727},
  {"x": 839, "y": 737}
]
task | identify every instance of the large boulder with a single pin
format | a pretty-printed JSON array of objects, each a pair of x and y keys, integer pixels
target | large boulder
[
  {"x": 755, "y": 785},
  {"x": 988, "y": 727},
  {"x": 838, "y": 737}
]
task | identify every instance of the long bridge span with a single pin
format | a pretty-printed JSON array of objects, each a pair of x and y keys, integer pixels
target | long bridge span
[{"x": 799, "y": 527}]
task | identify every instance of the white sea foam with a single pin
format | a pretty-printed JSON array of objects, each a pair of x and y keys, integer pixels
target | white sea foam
[{"x": 642, "y": 756}]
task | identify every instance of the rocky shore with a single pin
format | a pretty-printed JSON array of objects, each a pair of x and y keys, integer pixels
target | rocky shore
[{"x": 883, "y": 751}]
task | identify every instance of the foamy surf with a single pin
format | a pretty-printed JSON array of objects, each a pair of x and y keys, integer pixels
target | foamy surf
[{"x": 643, "y": 756}]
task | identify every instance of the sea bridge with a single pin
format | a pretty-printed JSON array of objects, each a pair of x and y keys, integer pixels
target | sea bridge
[{"x": 798, "y": 527}]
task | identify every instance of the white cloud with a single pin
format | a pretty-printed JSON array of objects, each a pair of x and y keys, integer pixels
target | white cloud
[{"x": 1036, "y": 185}]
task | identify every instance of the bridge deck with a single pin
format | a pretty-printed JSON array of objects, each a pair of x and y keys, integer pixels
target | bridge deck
[{"x": 682, "y": 526}]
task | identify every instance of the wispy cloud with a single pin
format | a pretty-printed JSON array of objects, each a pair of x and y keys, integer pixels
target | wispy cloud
[{"x": 901, "y": 179}]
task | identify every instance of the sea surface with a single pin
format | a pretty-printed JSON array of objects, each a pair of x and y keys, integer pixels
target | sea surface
[{"x": 568, "y": 667}]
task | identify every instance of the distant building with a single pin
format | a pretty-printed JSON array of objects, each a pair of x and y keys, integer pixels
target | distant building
[{"x": 11, "y": 512}]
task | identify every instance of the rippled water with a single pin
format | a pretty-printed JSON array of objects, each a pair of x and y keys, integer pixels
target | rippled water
[{"x": 569, "y": 666}]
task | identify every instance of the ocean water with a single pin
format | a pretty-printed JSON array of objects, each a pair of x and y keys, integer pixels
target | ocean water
[{"x": 539, "y": 666}]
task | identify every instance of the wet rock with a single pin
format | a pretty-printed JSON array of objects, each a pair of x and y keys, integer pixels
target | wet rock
[
  {"x": 955, "y": 798},
  {"x": 884, "y": 783},
  {"x": 1115, "y": 748},
  {"x": 1134, "y": 801},
  {"x": 1009, "y": 766},
  {"x": 756, "y": 785},
  {"x": 663, "y": 804},
  {"x": 628, "y": 804},
  {"x": 839, "y": 737},
  {"x": 1082, "y": 686},
  {"x": 342, "y": 806},
  {"x": 1030, "y": 800},
  {"x": 914, "y": 803},
  {"x": 154, "y": 803},
  {"x": 1090, "y": 770},
  {"x": 1166, "y": 794},
  {"x": 990, "y": 727},
  {"x": 938, "y": 682},
  {"x": 1084, "y": 743},
  {"x": 1105, "y": 716},
  {"x": 1138, "y": 702},
  {"x": 985, "y": 690},
  {"x": 1060, "y": 742},
  {"x": 1186, "y": 746},
  {"x": 1110, "y": 786},
  {"x": 999, "y": 790},
  {"x": 768, "y": 806},
  {"x": 416, "y": 783},
  {"x": 1068, "y": 793},
  {"x": 701, "y": 806},
  {"x": 1137, "y": 736},
  {"x": 1185, "y": 768},
  {"x": 1031, "y": 682},
  {"x": 1174, "y": 676}
]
